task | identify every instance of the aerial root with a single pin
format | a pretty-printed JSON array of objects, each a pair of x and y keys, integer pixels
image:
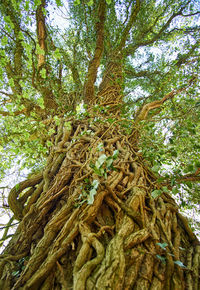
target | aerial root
[{"x": 113, "y": 241}]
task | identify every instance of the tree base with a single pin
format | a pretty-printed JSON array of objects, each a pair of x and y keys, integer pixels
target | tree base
[{"x": 91, "y": 222}]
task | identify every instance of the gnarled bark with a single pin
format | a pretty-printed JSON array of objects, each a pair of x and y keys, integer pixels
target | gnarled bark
[{"x": 74, "y": 234}]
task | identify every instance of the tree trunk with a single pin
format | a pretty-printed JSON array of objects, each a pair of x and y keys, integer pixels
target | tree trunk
[{"x": 89, "y": 220}]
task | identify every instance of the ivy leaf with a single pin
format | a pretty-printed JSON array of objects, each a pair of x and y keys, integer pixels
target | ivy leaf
[
  {"x": 100, "y": 147},
  {"x": 11, "y": 82},
  {"x": 175, "y": 190},
  {"x": 100, "y": 161},
  {"x": 77, "y": 2},
  {"x": 4, "y": 40},
  {"x": 156, "y": 193},
  {"x": 57, "y": 120},
  {"x": 95, "y": 184},
  {"x": 179, "y": 263},
  {"x": 57, "y": 54},
  {"x": 26, "y": 6},
  {"x": 99, "y": 171},
  {"x": 43, "y": 73},
  {"x": 108, "y": 2},
  {"x": 91, "y": 196},
  {"x": 39, "y": 50},
  {"x": 155, "y": 168},
  {"x": 90, "y": 3},
  {"x": 109, "y": 162},
  {"x": 16, "y": 273},
  {"x": 161, "y": 258},
  {"x": 173, "y": 181},
  {"x": 115, "y": 154},
  {"x": 58, "y": 3},
  {"x": 165, "y": 189},
  {"x": 163, "y": 245},
  {"x": 49, "y": 143},
  {"x": 41, "y": 102}
]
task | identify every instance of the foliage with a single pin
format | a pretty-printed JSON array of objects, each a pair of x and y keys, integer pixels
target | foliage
[
  {"x": 160, "y": 54},
  {"x": 100, "y": 109}
]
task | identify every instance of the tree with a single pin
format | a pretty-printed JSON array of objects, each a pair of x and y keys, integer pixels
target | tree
[{"x": 105, "y": 114}]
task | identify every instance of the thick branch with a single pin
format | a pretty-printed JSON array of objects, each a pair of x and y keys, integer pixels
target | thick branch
[
  {"x": 195, "y": 177},
  {"x": 41, "y": 33},
  {"x": 95, "y": 62},
  {"x": 141, "y": 74},
  {"x": 16, "y": 113},
  {"x": 143, "y": 114},
  {"x": 14, "y": 71},
  {"x": 46, "y": 91},
  {"x": 134, "y": 12}
]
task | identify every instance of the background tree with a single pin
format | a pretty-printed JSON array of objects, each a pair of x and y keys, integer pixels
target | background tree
[{"x": 105, "y": 115}]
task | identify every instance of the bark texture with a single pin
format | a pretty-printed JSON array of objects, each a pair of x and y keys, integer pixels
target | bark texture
[{"x": 90, "y": 222}]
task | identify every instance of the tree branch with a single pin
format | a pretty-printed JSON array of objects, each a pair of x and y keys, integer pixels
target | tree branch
[
  {"x": 143, "y": 113},
  {"x": 16, "y": 113},
  {"x": 41, "y": 33},
  {"x": 131, "y": 48},
  {"x": 134, "y": 11},
  {"x": 95, "y": 62},
  {"x": 46, "y": 91}
]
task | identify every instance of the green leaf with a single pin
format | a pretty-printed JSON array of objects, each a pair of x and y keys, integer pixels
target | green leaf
[
  {"x": 156, "y": 193},
  {"x": 77, "y": 2},
  {"x": 109, "y": 162},
  {"x": 98, "y": 171},
  {"x": 115, "y": 154},
  {"x": 163, "y": 245},
  {"x": 39, "y": 50},
  {"x": 20, "y": 35},
  {"x": 41, "y": 102},
  {"x": 15, "y": 273},
  {"x": 175, "y": 190},
  {"x": 165, "y": 189},
  {"x": 90, "y": 199},
  {"x": 11, "y": 82},
  {"x": 91, "y": 196},
  {"x": 26, "y": 6},
  {"x": 173, "y": 181},
  {"x": 163, "y": 259},
  {"x": 100, "y": 161},
  {"x": 155, "y": 168},
  {"x": 58, "y": 3},
  {"x": 57, "y": 54},
  {"x": 4, "y": 40},
  {"x": 37, "y": 2},
  {"x": 179, "y": 263},
  {"x": 43, "y": 73},
  {"x": 100, "y": 147},
  {"x": 67, "y": 125},
  {"x": 49, "y": 143},
  {"x": 57, "y": 120},
  {"x": 108, "y": 2},
  {"x": 51, "y": 131},
  {"x": 95, "y": 183},
  {"x": 90, "y": 3}
]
